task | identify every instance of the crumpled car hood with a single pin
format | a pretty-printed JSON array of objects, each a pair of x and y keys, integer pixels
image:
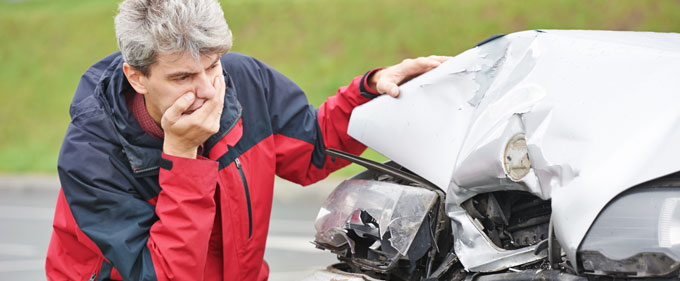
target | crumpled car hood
[{"x": 599, "y": 110}]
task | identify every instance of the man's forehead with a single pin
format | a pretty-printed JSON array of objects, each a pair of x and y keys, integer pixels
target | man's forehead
[{"x": 183, "y": 62}]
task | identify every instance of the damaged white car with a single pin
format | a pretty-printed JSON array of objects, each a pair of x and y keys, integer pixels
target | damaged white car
[{"x": 550, "y": 155}]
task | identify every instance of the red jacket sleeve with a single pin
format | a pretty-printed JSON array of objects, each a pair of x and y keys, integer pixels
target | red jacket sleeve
[
  {"x": 301, "y": 145},
  {"x": 140, "y": 241},
  {"x": 178, "y": 241}
]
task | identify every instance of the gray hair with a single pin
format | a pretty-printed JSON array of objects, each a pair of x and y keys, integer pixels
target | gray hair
[{"x": 146, "y": 28}]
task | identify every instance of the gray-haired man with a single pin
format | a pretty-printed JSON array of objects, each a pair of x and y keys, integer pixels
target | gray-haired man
[{"x": 168, "y": 165}]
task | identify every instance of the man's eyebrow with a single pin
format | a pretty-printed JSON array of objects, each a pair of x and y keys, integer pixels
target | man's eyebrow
[
  {"x": 180, "y": 74},
  {"x": 183, "y": 73}
]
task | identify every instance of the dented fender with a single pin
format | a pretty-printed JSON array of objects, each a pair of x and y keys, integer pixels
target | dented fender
[{"x": 597, "y": 109}]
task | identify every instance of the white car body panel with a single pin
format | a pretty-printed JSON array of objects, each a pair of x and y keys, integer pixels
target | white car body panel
[{"x": 599, "y": 109}]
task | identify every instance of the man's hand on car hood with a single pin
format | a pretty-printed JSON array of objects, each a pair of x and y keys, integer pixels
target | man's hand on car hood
[{"x": 387, "y": 80}]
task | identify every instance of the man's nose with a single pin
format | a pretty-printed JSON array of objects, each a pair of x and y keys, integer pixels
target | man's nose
[{"x": 204, "y": 86}]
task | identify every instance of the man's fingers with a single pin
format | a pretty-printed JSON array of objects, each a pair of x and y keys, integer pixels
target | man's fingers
[
  {"x": 217, "y": 105},
  {"x": 440, "y": 58},
  {"x": 181, "y": 105},
  {"x": 214, "y": 106},
  {"x": 218, "y": 82},
  {"x": 414, "y": 67},
  {"x": 210, "y": 112},
  {"x": 426, "y": 63},
  {"x": 221, "y": 87},
  {"x": 406, "y": 70}
]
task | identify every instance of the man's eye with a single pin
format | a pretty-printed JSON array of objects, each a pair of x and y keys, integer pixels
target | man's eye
[{"x": 182, "y": 78}]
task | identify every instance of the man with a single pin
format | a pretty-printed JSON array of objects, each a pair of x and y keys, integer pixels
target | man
[{"x": 168, "y": 165}]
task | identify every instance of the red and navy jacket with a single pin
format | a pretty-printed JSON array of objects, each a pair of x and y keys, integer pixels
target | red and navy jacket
[{"x": 126, "y": 211}]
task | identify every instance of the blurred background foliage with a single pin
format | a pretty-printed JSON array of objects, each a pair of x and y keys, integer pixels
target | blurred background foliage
[{"x": 45, "y": 46}]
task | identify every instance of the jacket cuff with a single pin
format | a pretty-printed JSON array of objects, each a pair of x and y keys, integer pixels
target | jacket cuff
[
  {"x": 168, "y": 162},
  {"x": 194, "y": 172},
  {"x": 363, "y": 86}
]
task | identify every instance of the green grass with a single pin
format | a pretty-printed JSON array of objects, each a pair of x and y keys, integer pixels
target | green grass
[{"x": 321, "y": 44}]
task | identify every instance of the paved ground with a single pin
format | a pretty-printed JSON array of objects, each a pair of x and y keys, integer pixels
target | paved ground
[{"x": 27, "y": 207}]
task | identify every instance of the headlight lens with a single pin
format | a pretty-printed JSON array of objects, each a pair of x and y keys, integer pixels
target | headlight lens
[
  {"x": 669, "y": 223},
  {"x": 637, "y": 234},
  {"x": 516, "y": 158}
]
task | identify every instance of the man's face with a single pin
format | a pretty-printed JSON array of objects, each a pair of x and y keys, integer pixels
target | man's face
[{"x": 173, "y": 76}]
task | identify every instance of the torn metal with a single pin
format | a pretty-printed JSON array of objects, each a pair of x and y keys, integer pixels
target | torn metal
[{"x": 597, "y": 111}]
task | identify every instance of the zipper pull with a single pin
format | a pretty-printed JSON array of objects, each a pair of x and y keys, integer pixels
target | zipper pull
[{"x": 238, "y": 163}]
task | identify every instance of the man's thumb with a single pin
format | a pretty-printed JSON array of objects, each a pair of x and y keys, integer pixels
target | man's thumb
[{"x": 393, "y": 90}]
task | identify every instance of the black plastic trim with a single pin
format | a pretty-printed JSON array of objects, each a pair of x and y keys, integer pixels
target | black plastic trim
[
  {"x": 375, "y": 166},
  {"x": 490, "y": 38}
]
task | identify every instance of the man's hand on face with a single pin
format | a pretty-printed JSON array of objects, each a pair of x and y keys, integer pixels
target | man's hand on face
[
  {"x": 185, "y": 130},
  {"x": 387, "y": 80}
]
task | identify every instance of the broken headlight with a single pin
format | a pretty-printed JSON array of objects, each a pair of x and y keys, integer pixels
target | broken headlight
[
  {"x": 636, "y": 235},
  {"x": 377, "y": 226}
]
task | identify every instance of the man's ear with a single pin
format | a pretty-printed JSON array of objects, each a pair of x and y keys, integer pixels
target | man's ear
[{"x": 136, "y": 78}]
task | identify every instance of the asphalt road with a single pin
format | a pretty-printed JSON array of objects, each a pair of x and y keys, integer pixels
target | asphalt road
[{"x": 27, "y": 207}]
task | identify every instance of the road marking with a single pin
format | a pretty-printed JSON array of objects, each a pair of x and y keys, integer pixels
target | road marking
[
  {"x": 22, "y": 265},
  {"x": 26, "y": 213},
  {"x": 21, "y": 250},
  {"x": 292, "y": 243}
]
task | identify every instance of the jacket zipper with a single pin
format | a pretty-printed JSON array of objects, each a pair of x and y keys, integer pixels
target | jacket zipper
[{"x": 245, "y": 187}]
